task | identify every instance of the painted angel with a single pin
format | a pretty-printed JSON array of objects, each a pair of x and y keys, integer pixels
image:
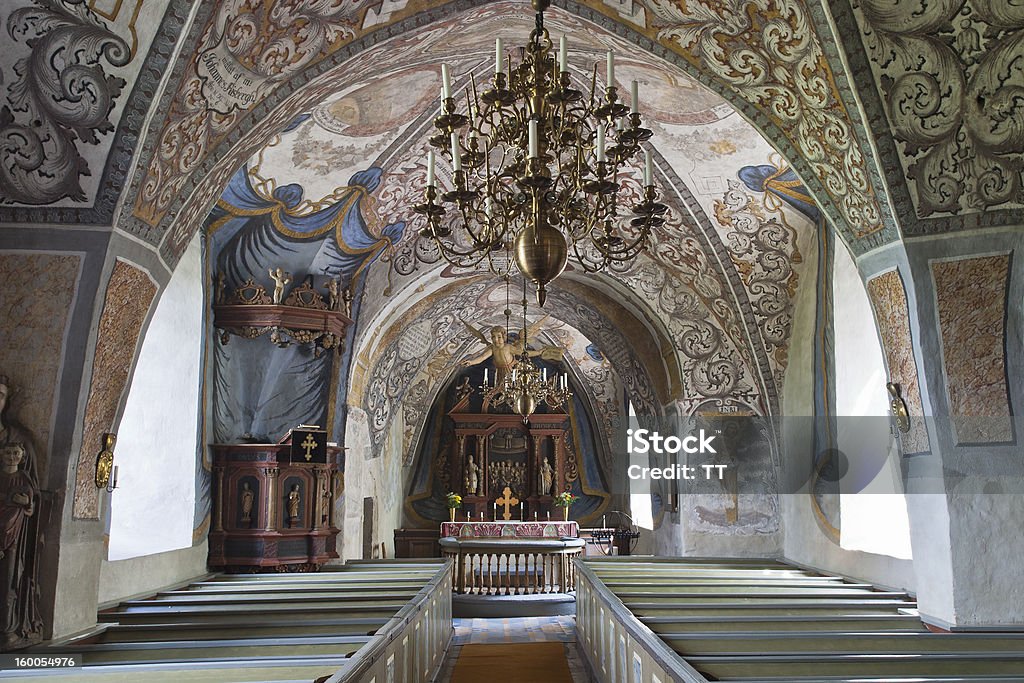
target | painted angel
[{"x": 504, "y": 352}]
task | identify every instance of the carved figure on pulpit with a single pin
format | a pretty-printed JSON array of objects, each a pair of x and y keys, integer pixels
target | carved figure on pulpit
[
  {"x": 294, "y": 500},
  {"x": 325, "y": 495},
  {"x": 19, "y": 490},
  {"x": 463, "y": 390},
  {"x": 547, "y": 476},
  {"x": 280, "y": 279},
  {"x": 332, "y": 294},
  {"x": 472, "y": 477},
  {"x": 247, "y": 500}
]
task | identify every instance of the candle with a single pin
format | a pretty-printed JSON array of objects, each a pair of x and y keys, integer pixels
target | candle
[
  {"x": 534, "y": 143},
  {"x": 481, "y": 515},
  {"x": 544, "y": 373},
  {"x": 603, "y": 525},
  {"x": 485, "y": 369},
  {"x": 520, "y": 511},
  {"x": 600, "y": 142},
  {"x": 430, "y": 168},
  {"x": 535, "y": 515},
  {"x": 499, "y": 62},
  {"x": 563, "y": 54},
  {"x": 648, "y": 168},
  {"x": 611, "y": 70},
  {"x": 549, "y": 515},
  {"x": 113, "y": 478},
  {"x": 636, "y": 98},
  {"x": 456, "y": 156},
  {"x": 495, "y": 512},
  {"x": 446, "y": 81}
]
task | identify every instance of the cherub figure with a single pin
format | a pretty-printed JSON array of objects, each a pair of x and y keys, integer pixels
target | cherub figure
[
  {"x": 280, "y": 279},
  {"x": 504, "y": 352}
]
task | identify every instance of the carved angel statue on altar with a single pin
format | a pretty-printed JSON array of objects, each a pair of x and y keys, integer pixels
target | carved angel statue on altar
[{"x": 505, "y": 352}]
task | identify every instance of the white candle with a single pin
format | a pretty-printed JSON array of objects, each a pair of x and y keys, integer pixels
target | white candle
[
  {"x": 535, "y": 515},
  {"x": 636, "y": 98},
  {"x": 603, "y": 525},
  {"x": 446, "y": 82},
  {"x": 534, "y": 143},
  {"x": 600, "y": 141},
  {"x": 485, "y": 375},
  {"x": 544, "y": 373},
  {"x": 549, "y": 515},
  {"x": 520, "y": 511},
  {"x": 495, "y": 512},
  {"x": 563, "y": 54},
  {"x": 430, "y": 168},
  {"x": 648, "y": 168},
  {"x": 456, "y": 156},
  {"x": 499, "y": 57},
  {"x": 611, "y": 70}
]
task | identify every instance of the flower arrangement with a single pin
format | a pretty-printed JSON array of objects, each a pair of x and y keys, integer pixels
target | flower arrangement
[
  {"x": 453, "y": 500},
  {"x": 565, "y": 499}
]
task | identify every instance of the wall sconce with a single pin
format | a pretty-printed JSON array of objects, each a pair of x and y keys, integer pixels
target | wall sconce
[
  {"x": 898, "y": 407},
  {"x": 106, "y": 470}
]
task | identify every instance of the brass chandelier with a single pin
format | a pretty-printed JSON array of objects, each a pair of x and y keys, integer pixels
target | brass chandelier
[
  {"x": 526, "y": 386},
  {"x": 537, "y": 169}
]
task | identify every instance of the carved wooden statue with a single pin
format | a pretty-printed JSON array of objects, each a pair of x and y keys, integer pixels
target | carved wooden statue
[
  {"x": 294, "y": 499},
  {"x": 19, "y": 493},
  {"x": 247, "y": 500},
  {"x": 472, "y": 478}
]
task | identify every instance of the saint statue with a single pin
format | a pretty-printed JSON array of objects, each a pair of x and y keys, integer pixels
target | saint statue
[
  {"x": 247, "y": 499},
  {"x": 280, "y": 279},
  {"x": 503, "y": 352},
  {"x": 472, "y": 477},
  {"x": 546, "y": 477},
  {"x": 294, "y": 498},
  {"x": 325, "y": 494},
  {"x": 19, "y": 493}
]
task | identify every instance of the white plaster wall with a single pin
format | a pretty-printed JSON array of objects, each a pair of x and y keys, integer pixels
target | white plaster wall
[
  {"x": 139, "y": 576},
  {"x": 153, "y": 509},
  {"x": 804, "y": 542},
  {"x": 873, "y": 510},
  {"x": 365, "y": 477}
]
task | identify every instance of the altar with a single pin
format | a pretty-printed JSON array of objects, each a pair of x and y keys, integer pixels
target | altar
[{"x": 511, "y": 530}]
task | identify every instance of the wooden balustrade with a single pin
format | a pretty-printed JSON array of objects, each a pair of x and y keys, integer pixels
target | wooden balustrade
[{"x": 513, "y": 566}]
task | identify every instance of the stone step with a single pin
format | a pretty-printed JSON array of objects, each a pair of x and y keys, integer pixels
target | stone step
[
  {"x": 716, "y": 623},
  {"x": 819, "y": 666},
  {"x": 215, "y": 588},
  {"x": 671, "y": 585},
  {"x": 841, "y": 643}
]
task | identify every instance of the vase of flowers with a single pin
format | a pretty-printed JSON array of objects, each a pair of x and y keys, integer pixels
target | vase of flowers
[
  {"x": 564, "y": 500},
  {"x": 453, "y": 501}
]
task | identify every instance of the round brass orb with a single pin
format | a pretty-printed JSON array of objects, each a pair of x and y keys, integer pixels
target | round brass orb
[
  {"x": 525, "y": 405},
  {"x": 541, "y": 255}
]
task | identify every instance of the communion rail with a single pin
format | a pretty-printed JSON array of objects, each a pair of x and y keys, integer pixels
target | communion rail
[{"x": 513, "y": 566}]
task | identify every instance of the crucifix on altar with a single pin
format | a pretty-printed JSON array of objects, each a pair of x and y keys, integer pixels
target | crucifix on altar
[{"x": 507, "y": 501}]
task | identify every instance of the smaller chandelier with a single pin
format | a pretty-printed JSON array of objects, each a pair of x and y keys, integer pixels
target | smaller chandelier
[
  {"x": 537, "y": 173},
  {"x": 525, "y": 386}
]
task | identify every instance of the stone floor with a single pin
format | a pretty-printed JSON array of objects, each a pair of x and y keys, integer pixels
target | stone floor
[{"x": 516, "y": 630}]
